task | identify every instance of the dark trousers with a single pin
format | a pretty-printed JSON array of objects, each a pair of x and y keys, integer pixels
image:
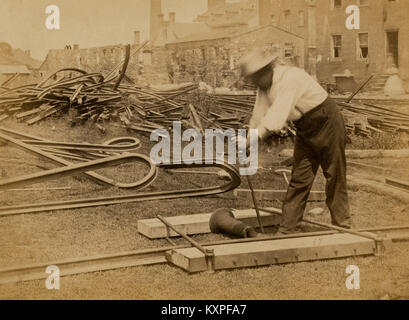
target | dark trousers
[{"x": 320, "y": 141}]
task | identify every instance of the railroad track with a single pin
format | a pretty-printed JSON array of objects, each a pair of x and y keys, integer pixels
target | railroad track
[{"x": 154, "y": 256}]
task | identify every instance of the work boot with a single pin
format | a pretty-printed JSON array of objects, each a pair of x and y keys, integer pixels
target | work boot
[
  {"x": 285, "y": 232},
  {"x": 347, "y": 224}
]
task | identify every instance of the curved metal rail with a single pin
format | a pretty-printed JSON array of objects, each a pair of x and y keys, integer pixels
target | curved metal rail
[
  {"x": 82, "y": 167},
  {"x": 233, "y": 183},
  {"x": 51, "y": 155},
  {"x": 109, "y": 146}
]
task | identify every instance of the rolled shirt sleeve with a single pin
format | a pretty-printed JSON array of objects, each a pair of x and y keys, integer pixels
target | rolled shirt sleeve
[
  {"x": 293, "y": 93},
  {"x": 261, "y": 106},
  {"x": 288, "y": 93}
]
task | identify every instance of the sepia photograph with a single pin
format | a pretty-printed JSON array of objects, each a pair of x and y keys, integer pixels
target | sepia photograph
[{"x": 204, "y": 154}]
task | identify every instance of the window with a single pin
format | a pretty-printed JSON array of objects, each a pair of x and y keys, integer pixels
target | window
[
  {"x": 363, "y": 46},
  {"x": 336, "y": 46},
  {"x": 301, "y": 18},
  {"x": 336, "y": 4},
  {"x": 288, "y": 51}
]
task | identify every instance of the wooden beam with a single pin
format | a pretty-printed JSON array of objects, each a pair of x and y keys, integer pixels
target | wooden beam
[
  {"x": 378, "y": 188},
  {"x": 199, "y": 223},
  {"x": 269, "y": 252},
  {"x": 373, "y": 169},
  {"x": 398, "y": 183},
  {"x": 275, "y": 194}
]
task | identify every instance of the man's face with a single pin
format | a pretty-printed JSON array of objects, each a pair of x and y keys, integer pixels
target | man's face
[{"x": 263, "y": 78}]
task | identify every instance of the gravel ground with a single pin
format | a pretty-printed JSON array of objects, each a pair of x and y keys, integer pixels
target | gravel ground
[{"x": 42, "y": 237}]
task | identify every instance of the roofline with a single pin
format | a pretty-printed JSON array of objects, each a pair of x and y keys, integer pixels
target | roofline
[
  {"x": 44, "y": 61},
  {"x": 199, "y": 40},
  {"x": 239, "y": 35},
  {"x": 266, "y": 26}
]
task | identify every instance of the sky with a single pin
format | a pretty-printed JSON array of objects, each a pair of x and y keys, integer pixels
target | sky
[{"x": 88, "y": 23}]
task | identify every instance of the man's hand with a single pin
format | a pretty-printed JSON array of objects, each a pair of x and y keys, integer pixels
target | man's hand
[{"x": 262, "y": 133}]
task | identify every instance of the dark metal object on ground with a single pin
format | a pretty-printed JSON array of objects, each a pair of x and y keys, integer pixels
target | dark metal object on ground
[{"x": 223, "y": 221}]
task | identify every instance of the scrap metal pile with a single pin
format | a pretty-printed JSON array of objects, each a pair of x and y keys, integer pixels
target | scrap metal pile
[
  {"x": 367, "y": 118},
  {"x": 97, "y": 98}
]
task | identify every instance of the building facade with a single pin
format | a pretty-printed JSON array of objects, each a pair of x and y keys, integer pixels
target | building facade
[
  {"x": 331, "y": 48},
  {"x": 310, "y": 33}
]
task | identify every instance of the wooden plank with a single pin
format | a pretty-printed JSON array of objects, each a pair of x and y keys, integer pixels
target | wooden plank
[
  {"x": 275, "y": 194},
  {"x": 374, "y": 169},
  {"x": 398, "y": 183},
  {"x": 199, "y": 223},
  {"x": 269, "y": 252},
  {"x": 50, "y": 111},
  {"x": 378, "y": 188},
  {"x": 28, "y": 113}
]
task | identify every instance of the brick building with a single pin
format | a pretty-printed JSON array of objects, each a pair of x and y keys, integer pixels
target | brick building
[
  {"x": 310, "y": 33},
  {"x": 206, "y": 49},
  {"x": 209, "y": 48},
  {"x": 215, "y": 59},
  {"x": 331, "y": 48}
]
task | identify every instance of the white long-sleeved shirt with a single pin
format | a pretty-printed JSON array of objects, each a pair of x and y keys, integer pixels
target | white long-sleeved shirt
[{"x": 292, "y": 94}]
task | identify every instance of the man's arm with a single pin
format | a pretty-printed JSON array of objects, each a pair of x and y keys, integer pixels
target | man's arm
[
  {"x": 288, "y": 93},
  {"x": 260, "y": 108}
]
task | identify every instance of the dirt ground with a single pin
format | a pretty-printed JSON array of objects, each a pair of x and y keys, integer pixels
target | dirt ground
[{"x": 47, "y": 236}]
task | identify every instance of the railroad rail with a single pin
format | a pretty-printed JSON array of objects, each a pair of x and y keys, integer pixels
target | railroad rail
[
  {"x": 156, "y": 256},
  {"x": 231, "y": 184}
]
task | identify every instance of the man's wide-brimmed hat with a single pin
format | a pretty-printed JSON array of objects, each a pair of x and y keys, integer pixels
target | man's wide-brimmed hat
[{"x": 255, "y": 61}]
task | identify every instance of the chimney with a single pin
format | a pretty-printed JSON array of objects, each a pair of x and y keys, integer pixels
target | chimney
[
  {"x": 172, "y": 19},
  {"x": 76, "y": 46},
  {"x": 264, "y": 12},
  {"x": 155, "y": 19},
  {"x": 137, "y": 37},
  {"x": 211, "y": 4}
]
